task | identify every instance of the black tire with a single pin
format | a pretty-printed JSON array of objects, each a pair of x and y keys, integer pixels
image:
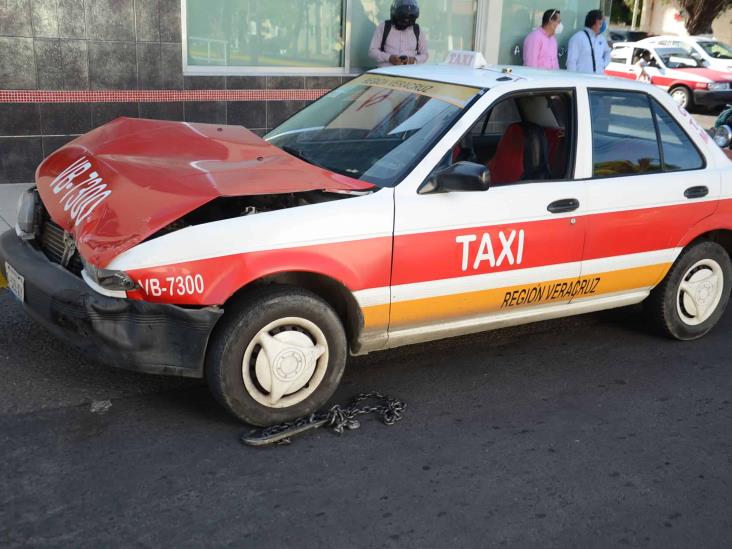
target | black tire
[
  {"x": 665, "y": 306},
  {"x": 241, "y": 324},
  {"x": 688, "y": 101}
]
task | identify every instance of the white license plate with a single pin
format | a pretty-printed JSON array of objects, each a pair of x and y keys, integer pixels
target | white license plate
[{"x": 16, "y": 282}]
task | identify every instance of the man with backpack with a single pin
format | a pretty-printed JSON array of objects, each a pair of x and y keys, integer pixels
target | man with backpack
[{"x": 398, "y": 41}]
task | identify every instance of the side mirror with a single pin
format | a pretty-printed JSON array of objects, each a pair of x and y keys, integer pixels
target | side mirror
[{"x": 459, "y": 177}]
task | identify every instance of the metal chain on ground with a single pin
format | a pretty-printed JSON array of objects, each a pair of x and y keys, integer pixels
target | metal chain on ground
[{"x": 339, "y": 418}]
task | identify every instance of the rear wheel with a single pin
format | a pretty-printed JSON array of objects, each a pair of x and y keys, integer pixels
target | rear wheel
[
  {"x": 278, "y": 356},
  {"x": 693, "y": 296},
  {"x": 682, "y": 96}
]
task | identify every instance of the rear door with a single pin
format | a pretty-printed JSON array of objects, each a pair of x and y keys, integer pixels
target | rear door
[{"x": 647, "y": 188}]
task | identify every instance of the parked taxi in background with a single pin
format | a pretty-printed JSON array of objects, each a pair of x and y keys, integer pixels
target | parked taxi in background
[
  {"x": 410, "y": 204},
  {"x": 687, "y": 78}
]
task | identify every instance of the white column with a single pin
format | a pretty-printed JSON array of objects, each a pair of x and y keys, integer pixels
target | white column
[{"x": 488, "y": 29}]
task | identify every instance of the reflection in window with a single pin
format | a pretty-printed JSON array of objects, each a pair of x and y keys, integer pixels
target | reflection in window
[
  {"x": 299, "y": 33},
  {"x": 679, "y": 153},
  {"x": 623, "y": 134},
  {"x": 448, "y": 24}
]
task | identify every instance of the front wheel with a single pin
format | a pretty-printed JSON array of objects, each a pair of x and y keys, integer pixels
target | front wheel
[
  {"x": 682, "y": 96},
  {"x": 693, "y": 296},
  {"x": 277, "y": 357}
]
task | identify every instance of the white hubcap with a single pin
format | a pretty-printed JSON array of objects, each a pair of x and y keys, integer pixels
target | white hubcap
[
  {"x": 285, "y": 362},
  {"x": 680, "y": 97},
  {"x": 700, "y": 292}
]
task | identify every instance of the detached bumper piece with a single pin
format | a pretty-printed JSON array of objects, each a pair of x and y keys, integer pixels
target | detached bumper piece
[{"x": 134, "y": 335}]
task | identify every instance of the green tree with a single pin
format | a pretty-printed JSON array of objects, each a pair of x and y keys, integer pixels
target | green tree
[{"x": 699, "y": 14}]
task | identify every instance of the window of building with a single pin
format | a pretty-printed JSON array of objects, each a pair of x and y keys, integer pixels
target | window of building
[{"x": 307, "y": 36}]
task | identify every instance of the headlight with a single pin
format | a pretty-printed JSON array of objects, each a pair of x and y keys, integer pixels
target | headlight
[
  {"x": 29, "y": 214},
  {"x": 717, "y": 86},
  {"x": 117, "y": 281},
  {"x": 723, "y": 136}
]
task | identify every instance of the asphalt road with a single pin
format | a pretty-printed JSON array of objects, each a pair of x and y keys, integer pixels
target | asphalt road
[{"x": 581, "y": 432}]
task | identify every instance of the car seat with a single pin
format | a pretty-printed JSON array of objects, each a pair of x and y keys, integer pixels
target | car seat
[{"x": 527, "y": 149}]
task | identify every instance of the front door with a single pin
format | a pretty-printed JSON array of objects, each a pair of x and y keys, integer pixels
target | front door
[{"x": 467, "y": 261}]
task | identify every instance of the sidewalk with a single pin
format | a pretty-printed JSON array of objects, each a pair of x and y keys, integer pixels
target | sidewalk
[{"x": 9, "y": 194}]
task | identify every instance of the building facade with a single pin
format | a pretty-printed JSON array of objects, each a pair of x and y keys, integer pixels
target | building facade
[{"x": 67, "y": 66}]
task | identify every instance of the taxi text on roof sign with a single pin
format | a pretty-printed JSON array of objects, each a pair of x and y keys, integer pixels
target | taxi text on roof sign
[{"x": 473, "y": 59}]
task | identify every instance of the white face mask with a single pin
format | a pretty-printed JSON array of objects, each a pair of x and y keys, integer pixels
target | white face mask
[{"x": 559, "y": 28}]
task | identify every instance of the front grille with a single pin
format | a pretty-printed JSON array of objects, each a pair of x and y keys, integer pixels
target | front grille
[
  {"x": 52, "y": 241},
  {"x": 52, "y": 244}
]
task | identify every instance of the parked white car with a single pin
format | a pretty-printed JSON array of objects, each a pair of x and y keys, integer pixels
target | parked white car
[{"x": 718, "y": 55}]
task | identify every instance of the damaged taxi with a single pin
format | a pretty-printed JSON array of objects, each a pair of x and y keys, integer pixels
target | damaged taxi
[{"x": 410, "y": 204}]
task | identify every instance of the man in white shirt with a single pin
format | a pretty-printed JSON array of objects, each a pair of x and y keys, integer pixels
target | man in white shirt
[{"x": 588, "y": 50}]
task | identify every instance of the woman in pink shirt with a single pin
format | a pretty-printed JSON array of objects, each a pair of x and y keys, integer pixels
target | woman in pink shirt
[{"x": 540, "y": 46}]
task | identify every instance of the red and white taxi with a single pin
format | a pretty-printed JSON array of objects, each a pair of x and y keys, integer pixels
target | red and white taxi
[
  {"x": 410, "y": 204},
  {"x": 686, "y": 77}
]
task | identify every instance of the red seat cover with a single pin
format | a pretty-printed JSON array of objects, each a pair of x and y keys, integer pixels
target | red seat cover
[{"x": 507, "y": 165}]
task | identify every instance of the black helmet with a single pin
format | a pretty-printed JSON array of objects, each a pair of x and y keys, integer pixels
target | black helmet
[{"x": 404, "y": 13}]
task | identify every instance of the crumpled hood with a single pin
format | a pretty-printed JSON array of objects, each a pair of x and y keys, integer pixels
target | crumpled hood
[{"x": 126, "y": 180}]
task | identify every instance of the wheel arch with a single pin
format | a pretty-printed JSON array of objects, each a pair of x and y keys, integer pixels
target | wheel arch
[{"x": 331, "y": 290}]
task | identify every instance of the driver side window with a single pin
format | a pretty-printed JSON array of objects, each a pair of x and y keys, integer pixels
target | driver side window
[{"x": 525, "y": 137}]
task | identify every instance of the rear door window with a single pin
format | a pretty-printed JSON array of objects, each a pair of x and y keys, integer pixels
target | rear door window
[
  {"x": 624, "y": 138},
  {"x": 678, "y": 151}
]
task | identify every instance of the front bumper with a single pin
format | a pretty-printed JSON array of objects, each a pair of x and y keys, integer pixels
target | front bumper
[
  {"x": 134, "y": 335},
  {"x": 712, "y": 98}
]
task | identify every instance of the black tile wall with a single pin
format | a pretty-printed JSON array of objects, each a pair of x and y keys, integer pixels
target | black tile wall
[
  {"x": 170, "y": 20},
  {"x": 20, "y": 119},
  {"x": 112, "y": 65},
  {"x": 71, "y": 19},
  {"x": 15, "y": 18},
  {"x": 279, "y": 111},
  {"x": 65, "y": 118},
  {"x": 149, "y": 66},
  {"x": 101, "y": 113},
  {"x": 246, "y": 82},
  {"x": 49, "y": 64},
  {"x": 147, "y": 20},
  {"x": 44, "y": 17},
  {"x": 17, "y": 71},
  {"x": 20, "y": 157},
  {"x": 172, "y": 66},
  {"x": 162, "y": 111},
  {"x": 204, "y": 82},
  {"x": 210, "y": 112},
  {"x": 54, "y": 142},
  {"x": 250, "y": 114},
  {"x": 76, "y": 64},
  {"x": 110, "y": 19},
  {"x": 110, "y": 45}
]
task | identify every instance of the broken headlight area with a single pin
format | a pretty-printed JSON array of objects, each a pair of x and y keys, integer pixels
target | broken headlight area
[
  {"x": 230, "y": 207},
  {"x": 115, "y": 281},
  {"x": 29, "y": 214}
]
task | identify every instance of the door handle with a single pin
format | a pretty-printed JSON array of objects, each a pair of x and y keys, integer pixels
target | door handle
[
  {"x": 564, "y": 205},
  {"x": 696, "y": 192}
]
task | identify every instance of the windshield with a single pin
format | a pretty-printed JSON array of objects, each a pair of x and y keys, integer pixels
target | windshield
[
  {"x": 718, "y": 50},
  {"x": 675, "y": 58},
  {"x": 375, "y": 127}
]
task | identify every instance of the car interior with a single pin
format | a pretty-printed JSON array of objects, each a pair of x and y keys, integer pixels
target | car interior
[{"x": 522, "y": 138}]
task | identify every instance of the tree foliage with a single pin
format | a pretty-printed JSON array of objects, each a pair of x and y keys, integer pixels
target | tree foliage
[{"x": 701, "y": 13}]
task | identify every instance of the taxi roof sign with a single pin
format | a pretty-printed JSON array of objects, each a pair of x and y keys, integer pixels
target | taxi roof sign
[{"x": 473, "y": 59}]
